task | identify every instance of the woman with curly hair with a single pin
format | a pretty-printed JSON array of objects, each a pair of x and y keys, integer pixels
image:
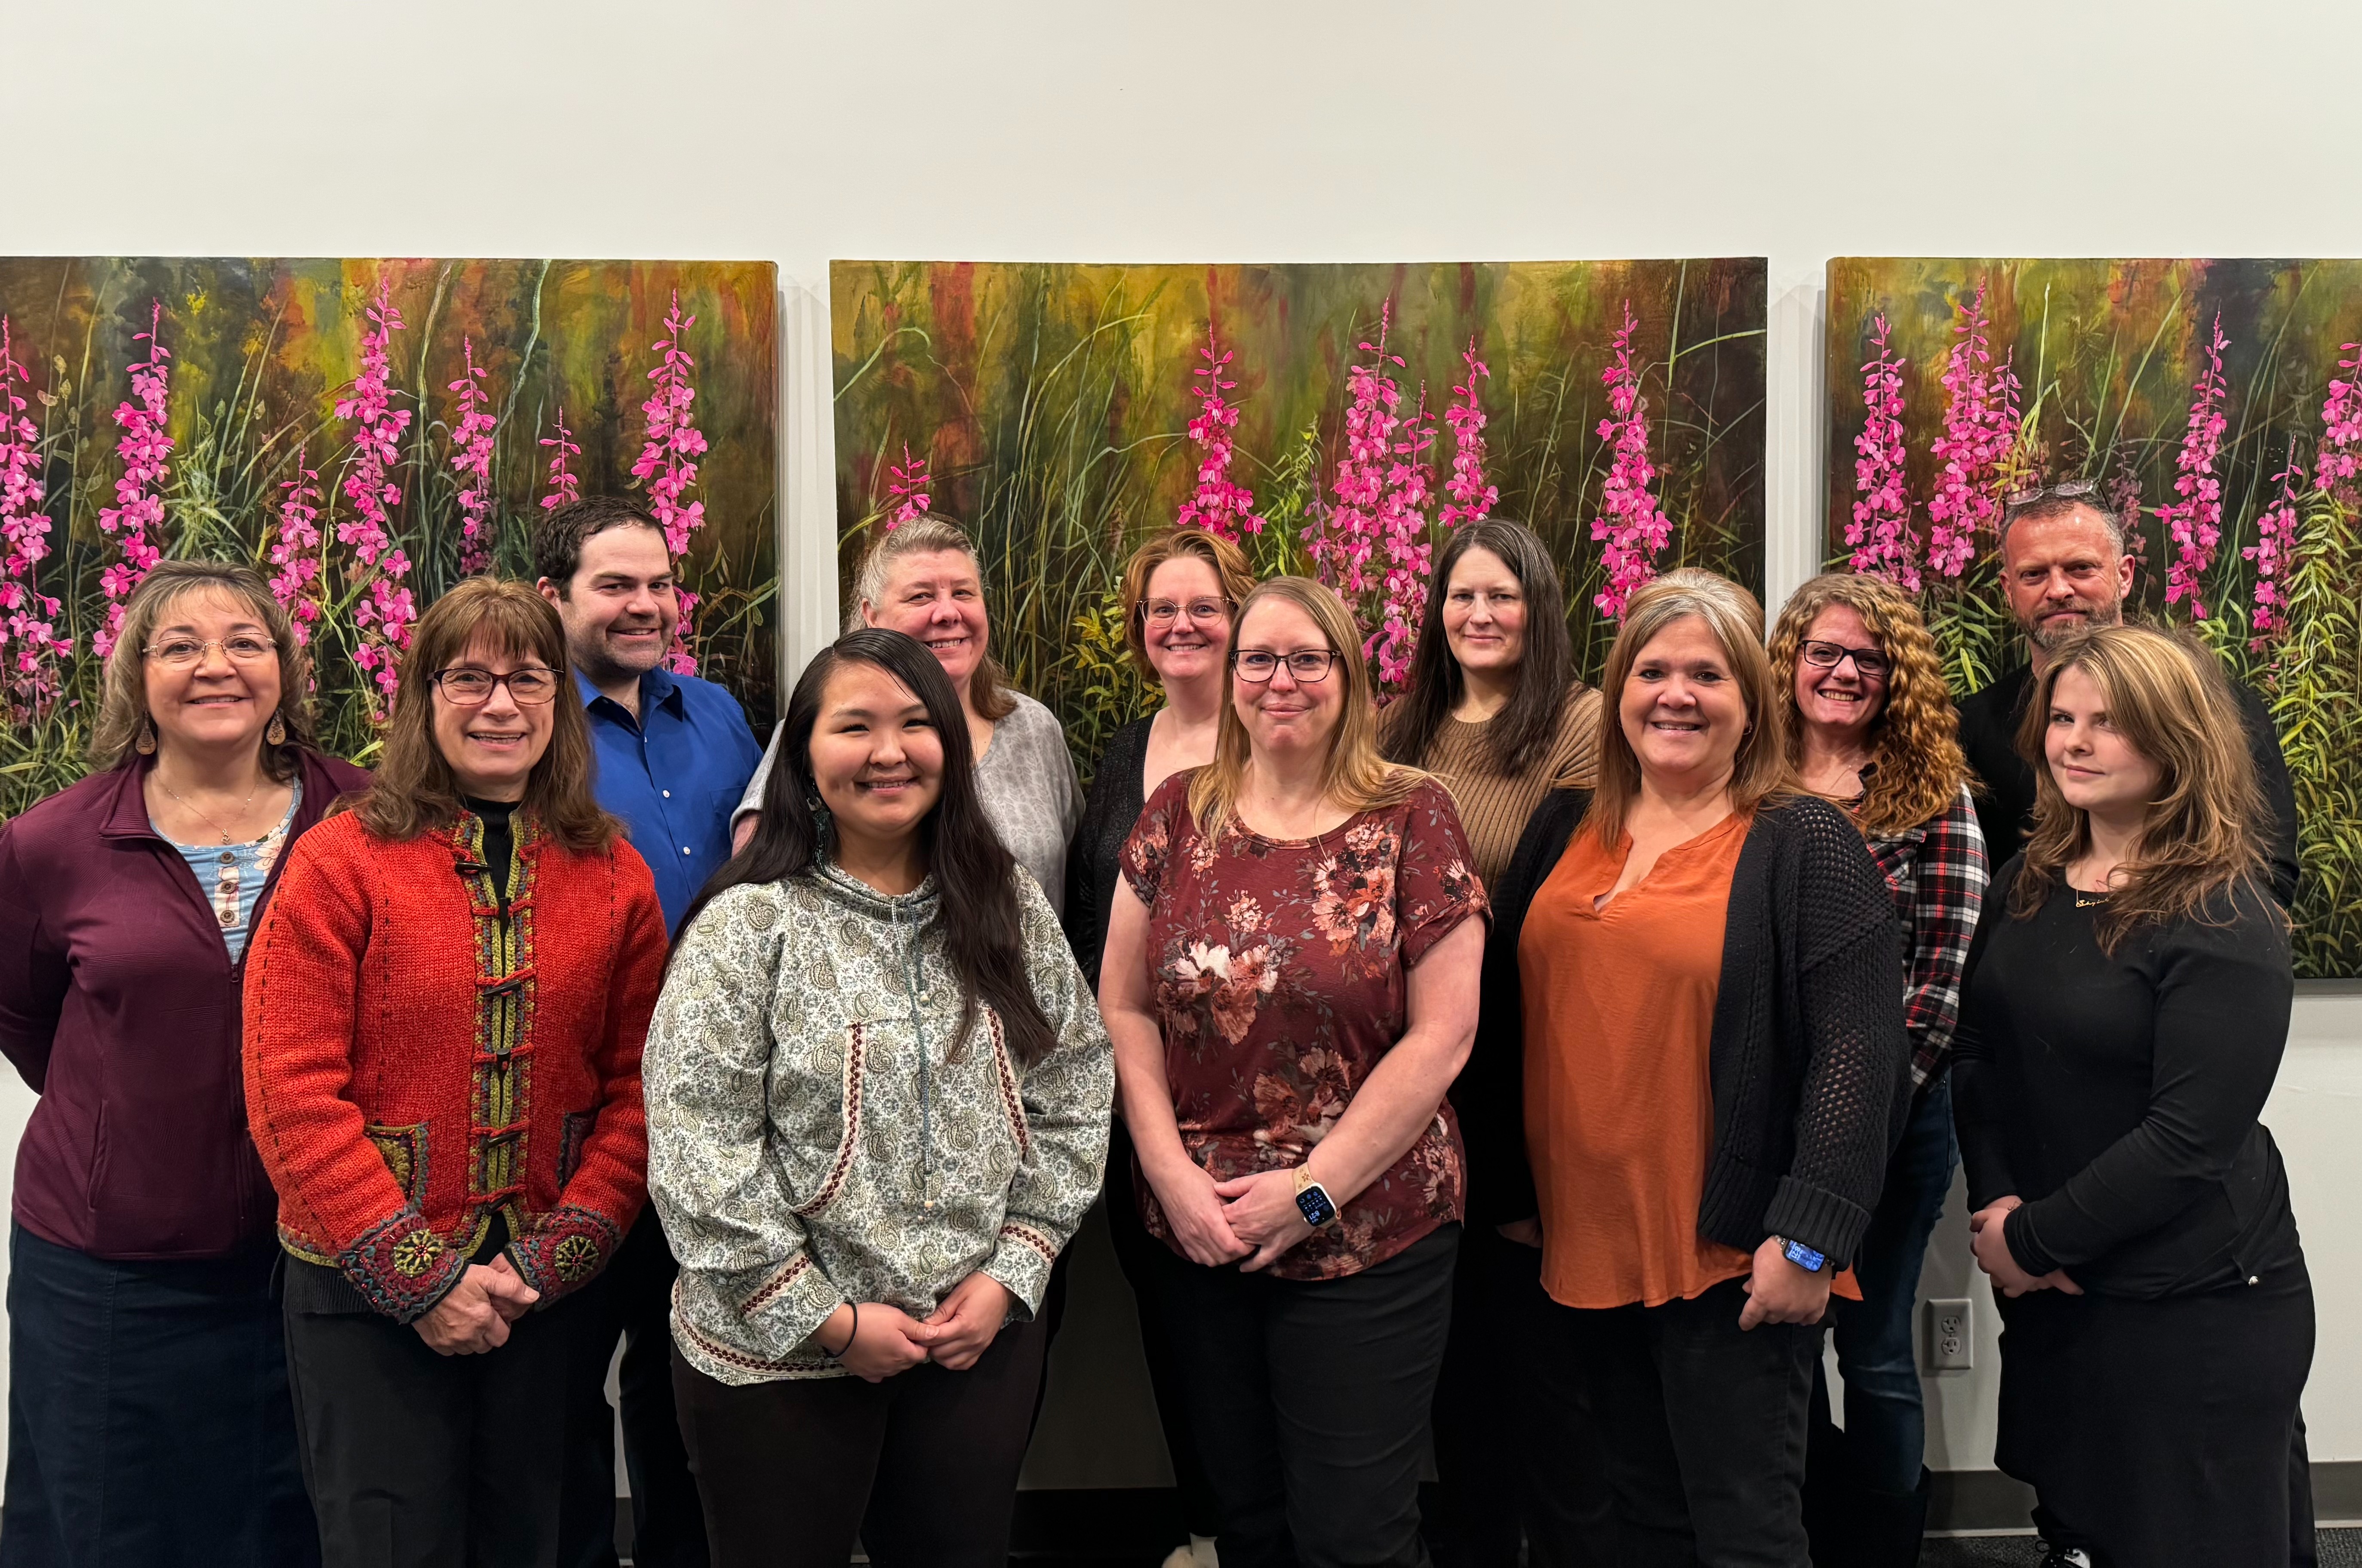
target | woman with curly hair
[{"x": 1871, "y": 727}]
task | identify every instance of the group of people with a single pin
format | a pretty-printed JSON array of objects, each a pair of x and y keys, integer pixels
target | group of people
[{"x": 1518, "y": 1073}]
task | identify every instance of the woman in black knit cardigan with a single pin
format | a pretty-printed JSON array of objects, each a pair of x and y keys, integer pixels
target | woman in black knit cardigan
[{"x": 1690, "y": 1063}]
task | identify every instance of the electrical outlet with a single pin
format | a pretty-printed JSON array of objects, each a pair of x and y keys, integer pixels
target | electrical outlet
[{"x": 1952, "y": 1336}]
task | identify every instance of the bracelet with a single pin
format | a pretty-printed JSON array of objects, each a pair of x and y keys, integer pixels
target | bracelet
[{"x": 838, "y": 1354}]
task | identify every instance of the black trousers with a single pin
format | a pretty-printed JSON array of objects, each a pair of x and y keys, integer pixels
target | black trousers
[
  {"x": 1141, "y": 1256},
  {"x": 2157, "y": 1434},
  {"x": 631, "y": 1300},
  {"x": 149, "y": 1420},
  {"x": 1510, "y": 1470},
  {"x": 416, "y": 1460},
  {"x": 1309, "y": 1403},
  {"x": 922, "y": 1467},
  {"x": 1704, "y": 1426}
]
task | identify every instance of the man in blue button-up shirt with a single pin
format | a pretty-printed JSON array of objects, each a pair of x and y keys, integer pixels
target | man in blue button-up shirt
[{"x": 673, "y": 754}]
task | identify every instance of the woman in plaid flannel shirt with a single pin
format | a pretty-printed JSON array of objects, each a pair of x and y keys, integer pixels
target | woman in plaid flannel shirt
[{"x": 1874, "y": 730}]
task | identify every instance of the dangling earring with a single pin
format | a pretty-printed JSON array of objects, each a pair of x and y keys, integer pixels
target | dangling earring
[
  {"x": 277, "y": 734},
  {"x": 819, "y": 809},
  {"x": 146, "y": 744}
]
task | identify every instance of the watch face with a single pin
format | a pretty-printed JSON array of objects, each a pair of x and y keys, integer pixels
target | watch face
[
  {"x": 1313, "y": 1202},
  {"x": 1803, "y": 1257}
]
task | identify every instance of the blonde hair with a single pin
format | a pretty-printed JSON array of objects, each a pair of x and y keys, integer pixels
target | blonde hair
[
  {"x": 1914, "y": 741},
  {"x": 1759, "y": 772},
  {"x": 1356, "y": 777},
  {"x": 123, "y": 699},
  {"x": 1230, "y": 569},
  {"x": 2168, "y": 699},
  {"x": 988, "y": 691}
]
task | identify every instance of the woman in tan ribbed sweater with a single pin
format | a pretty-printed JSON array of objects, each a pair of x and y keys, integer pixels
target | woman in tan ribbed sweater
[{"x": 1495, "y": 710}]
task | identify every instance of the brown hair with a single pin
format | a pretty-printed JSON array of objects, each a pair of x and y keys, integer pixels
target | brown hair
[
  {"x": 1230, "y": 569},
  {"x": 558, "y": 536},
  {"x": 2168, "y": 699},
  {"x": 1760, "y": 773},
  {"x": 988, "y": 691},
  {"x": 123, "y": 700},
  {"x": 413, "y": 791},
  {"x": 1356, "y": 777},
  {"x": 1914, "y": 741}
]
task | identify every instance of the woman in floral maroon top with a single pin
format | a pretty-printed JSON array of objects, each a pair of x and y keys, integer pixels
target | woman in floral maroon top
[{"x": 1290, "y": 981}]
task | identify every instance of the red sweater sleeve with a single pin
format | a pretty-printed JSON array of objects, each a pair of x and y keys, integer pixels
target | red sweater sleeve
[
  {"x": 567, "y": 1246},
  {"x": 303, "y": 983}
]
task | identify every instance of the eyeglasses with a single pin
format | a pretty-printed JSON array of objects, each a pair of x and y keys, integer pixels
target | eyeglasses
[
  {"x": 2069, "y": 489},
  {"x": 531, "y": 686},
  {"x": 1306, "y": 665},
  {"x": 1870, "y": 664},
  {"x": 182, "y": 653},
  {"x": 1163, "y": 611}
]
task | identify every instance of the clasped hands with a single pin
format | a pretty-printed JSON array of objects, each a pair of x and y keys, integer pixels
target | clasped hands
[
  {"x": 475, "y": 1314},
  {"x": 1992, "y": 1255},
  {"x": 885, "y": 1339},
  {"x": 1249, "y": 1221}
]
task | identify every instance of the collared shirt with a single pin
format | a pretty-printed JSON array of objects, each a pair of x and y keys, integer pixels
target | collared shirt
[{"x": 672, "y": 775}]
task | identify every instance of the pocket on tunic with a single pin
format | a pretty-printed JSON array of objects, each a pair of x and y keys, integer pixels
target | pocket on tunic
[
  {"x": 840, "y": 1161},
  {"x": 404, "y": 1151}
]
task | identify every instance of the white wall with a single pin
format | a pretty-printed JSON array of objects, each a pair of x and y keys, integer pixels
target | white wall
[{"x": 1221, "y": 131}]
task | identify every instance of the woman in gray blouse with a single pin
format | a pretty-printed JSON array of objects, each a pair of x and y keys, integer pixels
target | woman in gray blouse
[{"x": 923, "y": 578}]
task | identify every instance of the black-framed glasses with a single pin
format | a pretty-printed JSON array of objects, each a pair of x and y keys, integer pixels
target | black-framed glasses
[
  {"x": 470, "y": 688},
  {"x": 1306, "y": 665},
  {"x": 1164, "y": 612},
  {"x": 182, "y": 652},
  {"x": 1871, "y": 664}
]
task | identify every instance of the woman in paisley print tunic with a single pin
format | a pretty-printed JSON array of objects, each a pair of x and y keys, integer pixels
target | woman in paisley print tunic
[
  {"x": 1290, "y": 980},
  {"x": 877, "y": 1096}
]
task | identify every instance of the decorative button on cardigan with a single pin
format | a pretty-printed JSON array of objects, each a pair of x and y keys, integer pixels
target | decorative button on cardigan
[{"x": 422, "y": 1055}]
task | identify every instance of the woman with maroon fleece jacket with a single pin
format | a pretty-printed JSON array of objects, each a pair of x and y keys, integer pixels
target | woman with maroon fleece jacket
[{"x": 149, "y": 1420}]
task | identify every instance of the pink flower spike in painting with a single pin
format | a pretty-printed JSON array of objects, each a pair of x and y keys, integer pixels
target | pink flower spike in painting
[
  {"x": 2194, "y": 522},
  {"x": 472, "y": 446},
  {"x": 1980, "y": 433},
  {"x": 1402, "y": 532},
  {"x": 382, "y": 610},
  {"x": 2339, "y": 462},
  {"x": 668, "y": 457},
  {"x": 1341, "y": 543},
  {"x": 1631, "y": 525},
  {"x": 909, "y": 486},
  {"x": 1881, "y": 536},
  {"x": 1219, "y": 505},
  {"x": 30, "y": 648},
  {"x": 296, "y": 551},
  {"x": 565, "y": 489},
  {"x": 1471, "y": 498},
  {"x": 2275, "y": 543},
  {"x": 138, "y": 495}
]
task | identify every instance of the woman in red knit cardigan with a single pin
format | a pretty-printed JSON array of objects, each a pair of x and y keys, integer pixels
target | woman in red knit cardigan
[{"x": 443, "y": 1015}]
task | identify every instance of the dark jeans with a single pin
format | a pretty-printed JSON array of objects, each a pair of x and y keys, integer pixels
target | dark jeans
[
  {"x": 1510, "y": 1470},
  {"x": 1886, "y": 1436},
  {"x": 416, "y": 1460},
  {"x": 1309, "y": 1403},
  {"x": 921, "y": 1467},
  {"x": 2159, "y": 1434},
  {"x": 633, "y": 1300},
  {"x": 1141, "y": 1256},
  {"x": 149, "y": 1420},
  {"x": 1703, "y": 1424}
]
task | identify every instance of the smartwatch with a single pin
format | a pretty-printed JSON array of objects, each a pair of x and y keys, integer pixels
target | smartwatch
[
  {"x": 1312, "y": 1201},
  {"x": 1803, "y": 1256}
]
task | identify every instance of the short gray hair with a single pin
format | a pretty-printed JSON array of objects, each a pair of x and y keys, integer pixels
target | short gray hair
[
  {"x": 921, "y": 535},
  {"x": 2059, "y": 500}
]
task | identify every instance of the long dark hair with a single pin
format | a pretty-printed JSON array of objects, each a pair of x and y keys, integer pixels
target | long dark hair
[
  {"x": 977, "y": 909},
  {"x": 414, "y": 791},
  {"x": 1522, "y": 732}
]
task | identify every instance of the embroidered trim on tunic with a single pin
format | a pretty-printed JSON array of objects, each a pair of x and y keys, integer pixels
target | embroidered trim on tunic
[{"x": 856, "y": 1048}]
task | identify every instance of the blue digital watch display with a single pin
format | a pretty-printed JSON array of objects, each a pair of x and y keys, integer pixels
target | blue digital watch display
[
  {"x": 1803, "y": 1256},
  {"x": 1313, "y": 1205}
]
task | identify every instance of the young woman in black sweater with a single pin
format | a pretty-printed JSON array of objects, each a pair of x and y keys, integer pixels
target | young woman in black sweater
[
  {"x": 1691, "y": 1062},
  {"x": 2126, "y": 1010}
]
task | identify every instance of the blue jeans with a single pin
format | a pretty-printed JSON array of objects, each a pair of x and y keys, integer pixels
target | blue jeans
[{"x": 1886, "y": 1427}]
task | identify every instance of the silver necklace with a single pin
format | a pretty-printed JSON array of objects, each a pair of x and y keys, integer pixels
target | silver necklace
[{"x": 244, "y": 806}]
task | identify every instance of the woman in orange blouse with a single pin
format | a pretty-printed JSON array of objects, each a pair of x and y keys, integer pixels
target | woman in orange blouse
[{"x": 1697, "y": 967}]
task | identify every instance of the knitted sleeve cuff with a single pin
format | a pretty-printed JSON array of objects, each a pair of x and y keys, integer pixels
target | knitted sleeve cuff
[
  {"x": 1818, "y": 1217},
  {"x": 1022, "y": 1259},
  {"x": 402, "y": 1267},
  {"x": 564, "y": 1251}
]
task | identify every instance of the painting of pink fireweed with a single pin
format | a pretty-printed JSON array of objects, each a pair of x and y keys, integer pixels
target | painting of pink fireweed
[
  {"x": 2214, "y": 403},
  {"x": 1336, "y": 420},
  {"x": 364, "y": 433}
]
